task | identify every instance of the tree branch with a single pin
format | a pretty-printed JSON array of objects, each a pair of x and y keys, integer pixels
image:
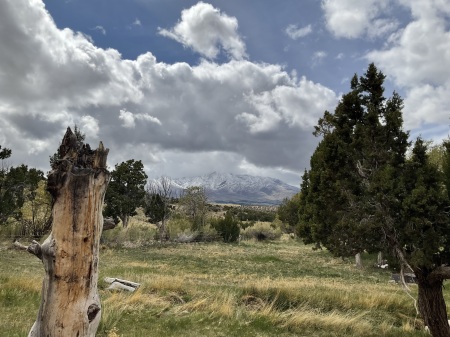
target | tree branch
[
  {"x": 34, "y": 248},
  {"x": 440, "y": 273}
]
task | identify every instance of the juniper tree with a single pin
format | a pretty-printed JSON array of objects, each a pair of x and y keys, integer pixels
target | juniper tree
[
  {"x": 362, "y": 194},
  {"x": 126, "y": 190},
  {"x": 422, "y": 238},
  {"x": 227, "y": 227}
]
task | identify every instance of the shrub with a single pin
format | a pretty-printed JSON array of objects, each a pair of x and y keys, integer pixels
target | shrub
[
  {"x": 178, "y": 225},
  {"x": 262, "y": 231},
  {"x": 135, "y": 235},
  {"x": 227, "y": 227}
]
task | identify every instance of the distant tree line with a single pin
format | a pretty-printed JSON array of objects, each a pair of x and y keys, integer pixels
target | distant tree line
[
  {"x": 252, "y": 215},
  {"x": 24, "y": 203}
]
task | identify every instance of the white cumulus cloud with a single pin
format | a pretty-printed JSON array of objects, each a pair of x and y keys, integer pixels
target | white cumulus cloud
[
  {"x": 167, "y": 115},
  {"x": 418, "y": 59},
  {"x": 206, "y": 30},
  {"x": 356, "y": 18}
]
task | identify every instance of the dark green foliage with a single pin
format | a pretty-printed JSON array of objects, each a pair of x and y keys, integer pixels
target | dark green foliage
[
  {"x": 446, "y": 166},
  {"x": 5, "y": 153},
  {"x": 227, "y": 227},
  {"x": 154, "y": 207},
  {"x": 288, "y": 211},
  {"x": 126, "y": 190},
  {"x": 304, "y": 227},
  {"x": 17, "y": 184},
  {"x": 353, "y": 167},
  {"x": 361, "y": 194},
  {"x": 426, "y": 231},
  {"x": 80, "y": 141}
]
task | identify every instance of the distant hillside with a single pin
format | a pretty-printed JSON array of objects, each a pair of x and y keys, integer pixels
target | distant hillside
[{"x": 239, "y": 189}]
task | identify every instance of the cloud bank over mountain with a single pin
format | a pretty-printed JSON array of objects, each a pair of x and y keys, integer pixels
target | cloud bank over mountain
[{"x": 236, "y": 102}]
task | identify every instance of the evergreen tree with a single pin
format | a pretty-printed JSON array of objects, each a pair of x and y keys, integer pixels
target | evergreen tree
[
  {"x": 126, "y": 190},
  {"x": 17, "y": 184},
  {"x": 288, "y": 211},
  {"x": 362, "y": 194},
  {"x": 227, "y": 227},
  {"x": 446, "y": 166},
  {"x": 305, "y": 228},
  {"x": 422, "y": 239}
]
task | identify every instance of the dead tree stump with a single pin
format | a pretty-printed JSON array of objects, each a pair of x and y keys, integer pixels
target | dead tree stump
[{"x": 70, "y": 304}]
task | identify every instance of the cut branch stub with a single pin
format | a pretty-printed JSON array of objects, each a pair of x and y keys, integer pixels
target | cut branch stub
[{"x": 70, "y": 304}]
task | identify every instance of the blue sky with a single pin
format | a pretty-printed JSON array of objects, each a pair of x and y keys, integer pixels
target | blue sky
[{"x": 193, "y": 87}]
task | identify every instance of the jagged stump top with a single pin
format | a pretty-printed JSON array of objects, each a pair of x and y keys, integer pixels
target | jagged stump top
[{"x": 75, "y": 157}]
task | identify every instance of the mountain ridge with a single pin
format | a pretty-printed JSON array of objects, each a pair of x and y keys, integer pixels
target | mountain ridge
[{"x": 238, "y": 188}]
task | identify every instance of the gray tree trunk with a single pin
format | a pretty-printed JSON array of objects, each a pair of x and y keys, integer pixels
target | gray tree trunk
[
  {"x": 70, "y": 304},
  {"x": 380, "y": 259},
  {"x": 358, "y": 262},
  {"x": 124, "y": 219}
]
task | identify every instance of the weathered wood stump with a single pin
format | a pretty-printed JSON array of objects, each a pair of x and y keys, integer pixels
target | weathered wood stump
[{"x": 70, "y": 304}]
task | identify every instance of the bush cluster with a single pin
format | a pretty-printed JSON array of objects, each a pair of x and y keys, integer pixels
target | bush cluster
[
  {"x": 228, "y": 227},
  {"x": 262, "y": 231}
]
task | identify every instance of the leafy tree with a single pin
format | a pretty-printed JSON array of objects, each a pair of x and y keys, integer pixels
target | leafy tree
[
  {"x": 195, "y": 204},
  {"x": 362, "y": 194},
  {"x": 227, "y": 227},
  {"x": 157, "y": 204},
  {"x": 126, "y": 190},
  {"x": 36, "y": 217}
]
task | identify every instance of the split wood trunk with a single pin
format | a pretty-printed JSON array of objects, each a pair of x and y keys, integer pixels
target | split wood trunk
[{"x": 70, "y": 304}]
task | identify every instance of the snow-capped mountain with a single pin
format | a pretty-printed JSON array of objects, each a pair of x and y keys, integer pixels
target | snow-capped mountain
[{"x": 239, "y": 189}]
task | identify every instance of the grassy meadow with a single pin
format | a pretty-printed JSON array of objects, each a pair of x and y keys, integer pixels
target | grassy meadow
[{"x": 280, "y": 288}]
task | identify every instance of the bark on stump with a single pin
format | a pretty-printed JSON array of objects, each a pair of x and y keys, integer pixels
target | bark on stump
[
  {"x": 70, "y": 304},
  {"x": 432, "y": 305}
]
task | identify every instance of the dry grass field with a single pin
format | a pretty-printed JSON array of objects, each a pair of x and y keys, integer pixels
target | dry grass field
[{"x": 280, "y": 288}]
